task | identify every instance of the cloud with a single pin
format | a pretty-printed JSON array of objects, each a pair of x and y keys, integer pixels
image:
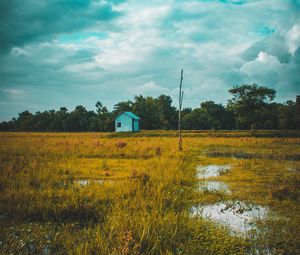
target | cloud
[
  {"x": 293, "y": 38},
  {"x": 13, "y": 92},
  {"x": 64, "y": 53},
  {"x": 150, "y": 89},
  {"x": 275, "y": 45},
  {"x": 28, "y": 21},
  {"x": 268, "y": 70},
  {"x": 262, "y": 67}
]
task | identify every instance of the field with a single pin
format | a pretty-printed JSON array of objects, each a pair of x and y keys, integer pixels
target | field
[{"x": 105, "y": 193}]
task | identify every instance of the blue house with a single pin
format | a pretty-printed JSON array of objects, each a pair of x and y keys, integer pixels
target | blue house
[{"x": 127, "y": 122}]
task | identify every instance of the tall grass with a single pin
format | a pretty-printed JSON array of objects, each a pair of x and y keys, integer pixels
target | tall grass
[{"x": 143, "y": 205}]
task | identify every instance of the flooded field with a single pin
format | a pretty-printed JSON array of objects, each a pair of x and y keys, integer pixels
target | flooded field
[
  {"x": 214, "y": 186},
  {"x": 212, "y": 170},
  {"x": 229, "y": 180},
  {"x": 85, "y": 194},
  {"x": 238, "y": 216}
]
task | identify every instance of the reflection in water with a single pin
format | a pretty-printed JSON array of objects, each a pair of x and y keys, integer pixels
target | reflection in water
[
  {"x": 293, "y": 169},
  {"x": 212, "y": 170},
  {"x": 85, "y": 182},
  {"x": 214, "y": 186},
  {"x": 238, "y": 216}
]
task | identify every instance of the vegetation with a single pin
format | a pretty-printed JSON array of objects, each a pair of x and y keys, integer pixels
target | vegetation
[
  {"x": 251, "y": 107},
  {"x": 94, "y": 193}
]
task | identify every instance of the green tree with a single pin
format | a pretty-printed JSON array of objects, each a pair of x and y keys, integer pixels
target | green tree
[
  {"x": 218, "y": 116},
  {"x": 248, "y": 103},
  {"x": 209, "y": 116},
  {"x": 104, "y": 118},
  {"x": 167, "y": 112},
  {"x": 297, "y": 117},
  {"x": 147, "y": 109},
  {"x": 287, "y": 115},
  {"x": 269, "y": 116},
  {"x": 123, "y": 106},
  {"x": 62, "y": 115},
  {"x": 25, "y": 121},
  {"x": 198, "y": 119},
  {"x": 77, "y": 119}
]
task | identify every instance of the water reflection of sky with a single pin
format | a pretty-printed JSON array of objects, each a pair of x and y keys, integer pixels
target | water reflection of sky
[
  {"x": 238, "y": 216},
  {"x": 85, "y": 182},
  {"x": 211, "y": 170},
  {"x": 214, "y": 186}
]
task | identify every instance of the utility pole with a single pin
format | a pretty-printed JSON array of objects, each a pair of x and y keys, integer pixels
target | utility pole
[{"x": 179, "y": 114}]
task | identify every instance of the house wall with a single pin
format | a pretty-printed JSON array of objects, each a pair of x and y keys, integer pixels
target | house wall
[
  {"x": 136, "y": 125},
  {"x": 126, "y": 123}
]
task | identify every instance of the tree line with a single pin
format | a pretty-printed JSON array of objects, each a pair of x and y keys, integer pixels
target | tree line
[{"x": 251, "y": 107}]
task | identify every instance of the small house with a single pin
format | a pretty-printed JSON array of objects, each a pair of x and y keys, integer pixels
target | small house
[{"x": 127, "y": 122}]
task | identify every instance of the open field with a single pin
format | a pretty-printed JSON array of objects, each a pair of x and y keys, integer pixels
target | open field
[{"x": 105, "y": 193}]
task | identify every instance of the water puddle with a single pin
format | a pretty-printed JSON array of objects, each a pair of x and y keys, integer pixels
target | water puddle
[
  {"x": 212, "y": 170},
  {"x": 293, "y": 169},
  {"x": 238, "y": 216},
  {"x": 85, "y": 182},
  {"x": 214, "y": 186}
]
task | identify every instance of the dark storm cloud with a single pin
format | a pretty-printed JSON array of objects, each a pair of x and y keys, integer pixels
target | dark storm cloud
[{"x": 27, "y": 21}]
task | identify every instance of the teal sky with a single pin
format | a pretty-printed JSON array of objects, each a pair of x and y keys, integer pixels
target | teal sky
[{"x": 65, "y": 53}]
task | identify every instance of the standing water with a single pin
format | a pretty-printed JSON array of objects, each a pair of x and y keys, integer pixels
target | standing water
[
  {"x": 238, "y": 216},
  {"x": 85, "y": 182},
  {"x": 212, "y": 170},
  {"x": 214, "y": 186}
]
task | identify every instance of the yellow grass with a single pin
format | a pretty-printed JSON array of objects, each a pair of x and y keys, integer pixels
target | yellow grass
[{"x": 143, "y": 205}]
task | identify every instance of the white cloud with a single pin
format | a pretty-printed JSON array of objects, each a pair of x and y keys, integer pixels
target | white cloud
[
  {"x": 266, "y": 58},
  {"x": 13, "y": 92},
  {"x": 150, "y": 89},
  {"x": 138, "y": 36},
  {"x": 266, "y": 70},
  {"x": 17, "y": 51},
  {"x": 262, "y": 65},
  {"x": 293, "y": 38},
  {"x": 144, "y": 16}
]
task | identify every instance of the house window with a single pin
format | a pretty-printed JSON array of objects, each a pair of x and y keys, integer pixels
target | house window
[{"x": 118, "y": 124}]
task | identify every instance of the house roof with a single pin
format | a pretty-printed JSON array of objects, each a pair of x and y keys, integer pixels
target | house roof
[{"x": 131, "y": 115}]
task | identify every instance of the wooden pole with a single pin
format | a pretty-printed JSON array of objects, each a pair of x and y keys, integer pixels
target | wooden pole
[{"x": 179, "y": 114}]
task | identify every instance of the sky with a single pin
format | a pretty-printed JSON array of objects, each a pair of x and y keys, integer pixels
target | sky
[{"x": 57, "y": 53}]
